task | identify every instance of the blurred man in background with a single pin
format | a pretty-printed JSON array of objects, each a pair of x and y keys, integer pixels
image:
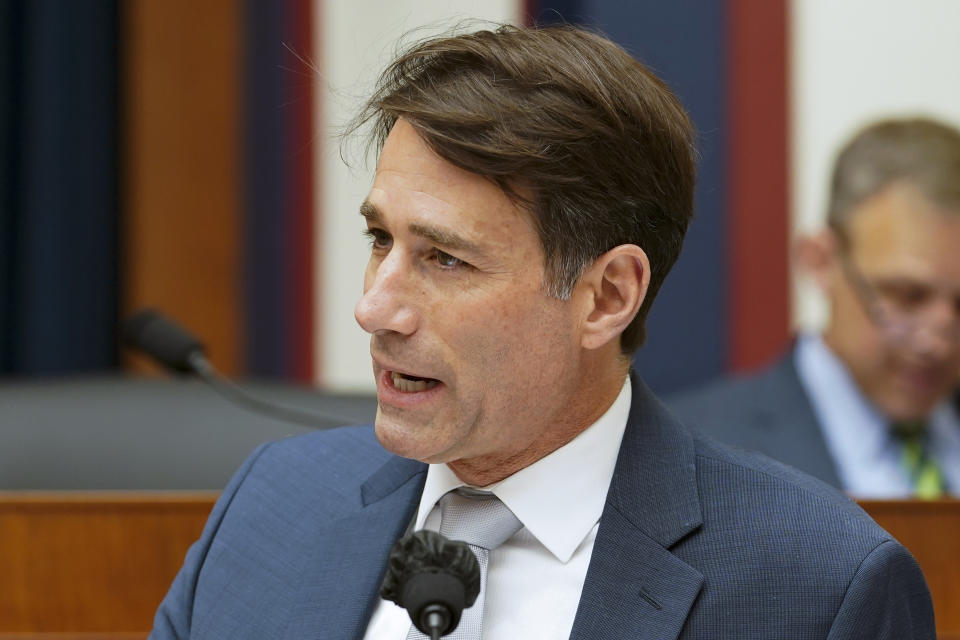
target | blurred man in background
[{"x": 865, "y": 405}]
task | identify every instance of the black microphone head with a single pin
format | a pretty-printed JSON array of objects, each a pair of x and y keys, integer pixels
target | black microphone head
[
  {"x": 162, "y": 339},
  {"x": 433, "y": 578}
]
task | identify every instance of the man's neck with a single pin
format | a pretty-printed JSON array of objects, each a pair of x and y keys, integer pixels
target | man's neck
[{"x": 483, "y": 471}]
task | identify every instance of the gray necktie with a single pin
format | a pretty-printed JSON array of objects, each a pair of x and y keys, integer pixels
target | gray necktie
[{"x": 483, "y": 522}]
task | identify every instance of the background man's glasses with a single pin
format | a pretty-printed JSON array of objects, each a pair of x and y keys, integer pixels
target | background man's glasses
[{"x": 901, "y": 309}]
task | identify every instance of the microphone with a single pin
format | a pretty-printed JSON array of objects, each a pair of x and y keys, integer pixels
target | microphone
[
  {"x": 172, "y": 346},
  {"x": 165, "y": 341},
  {"x": 434, "y": 579}
]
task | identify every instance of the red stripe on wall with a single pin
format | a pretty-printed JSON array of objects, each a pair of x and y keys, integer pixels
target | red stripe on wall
[
  {"x": 530, "y": 10},
  {"x": 301, "y": 303},
  {"x": 758, "y": 207}
]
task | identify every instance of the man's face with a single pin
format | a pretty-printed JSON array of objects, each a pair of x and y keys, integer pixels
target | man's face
[
  {"x": 472, "y": 359},
  {"x": 905, "y": 254}
]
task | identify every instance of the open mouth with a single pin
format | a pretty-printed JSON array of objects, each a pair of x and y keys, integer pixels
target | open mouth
[{"x": 410, "y": 384}]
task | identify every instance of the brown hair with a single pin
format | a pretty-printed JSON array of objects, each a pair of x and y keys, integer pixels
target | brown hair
[
  {"x": 599, "y": 147},
  {"x": 922, "y": 152}
]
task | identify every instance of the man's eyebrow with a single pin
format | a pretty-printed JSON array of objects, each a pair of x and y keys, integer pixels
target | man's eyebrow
[
  {"x": 443, "y": 237},
  {"x": 370, "y": 211}
]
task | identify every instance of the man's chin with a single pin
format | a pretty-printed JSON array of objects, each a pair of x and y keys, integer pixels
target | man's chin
[
  {"x": 401, "y": 440},
  {"x": 911, "y": 409}
]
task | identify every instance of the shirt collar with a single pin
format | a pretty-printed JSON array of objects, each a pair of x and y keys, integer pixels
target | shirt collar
[
  {"x": 560, "y": 497},
  {"x": 852, "y": 425}
]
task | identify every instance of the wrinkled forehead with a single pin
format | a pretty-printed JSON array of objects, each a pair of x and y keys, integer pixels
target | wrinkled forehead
[{"x": 417, "y": 190}]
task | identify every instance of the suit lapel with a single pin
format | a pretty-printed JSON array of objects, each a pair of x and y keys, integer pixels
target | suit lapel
[
  {"x": 349, "y": 556},
  {"x": 635, "y": 587},
  {"x": 787, "y": 426}
]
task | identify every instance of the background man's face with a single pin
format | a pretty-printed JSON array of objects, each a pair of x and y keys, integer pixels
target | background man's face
[
  {"x": 907, "y": 253},
  {"x": 471, "y": 357}
]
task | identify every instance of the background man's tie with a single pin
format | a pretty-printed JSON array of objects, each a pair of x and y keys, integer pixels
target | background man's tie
[
  {"x": 481, "y": 520},
  {"x": 923, "y": 471}
]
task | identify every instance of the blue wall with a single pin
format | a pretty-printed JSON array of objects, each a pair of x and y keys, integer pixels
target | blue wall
[{"x": 682, "y": 42}]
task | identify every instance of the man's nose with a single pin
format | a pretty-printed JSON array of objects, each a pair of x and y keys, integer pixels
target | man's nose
[{"x": 387, "y": 304}]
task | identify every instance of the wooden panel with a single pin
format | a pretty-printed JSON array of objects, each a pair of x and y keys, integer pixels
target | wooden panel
[
  {"x": 931, "y": 531},
  {"x": 182, "y": 224},
  {"x": 73, "y": 636},
  {"x": 95, "y": 565},
  {"x": 92, "y": 562}
]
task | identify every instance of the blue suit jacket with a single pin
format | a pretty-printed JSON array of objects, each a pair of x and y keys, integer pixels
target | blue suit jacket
[
  {"x": 695, "y": 541},
  {"x": 768, "y": 411}
]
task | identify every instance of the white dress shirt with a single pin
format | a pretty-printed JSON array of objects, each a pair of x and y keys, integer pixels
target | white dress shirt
[
  {"x": 858, "y": 435},
  {"x": 535, "y": 578}
]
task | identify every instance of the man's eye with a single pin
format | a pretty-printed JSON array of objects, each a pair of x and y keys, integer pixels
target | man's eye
[
  {"x": 904, "y": 297},
  {"x": 447, "y": 261},
  {"x": 379, "y": 239}
]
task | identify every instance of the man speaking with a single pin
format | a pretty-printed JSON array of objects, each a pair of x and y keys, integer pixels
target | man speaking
[{"x": 532, "y": 191}]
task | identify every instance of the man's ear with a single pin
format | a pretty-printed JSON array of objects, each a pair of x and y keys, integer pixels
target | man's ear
[
  {"x": 815, "y": 255},
  {"x": 611, "y": 291}
]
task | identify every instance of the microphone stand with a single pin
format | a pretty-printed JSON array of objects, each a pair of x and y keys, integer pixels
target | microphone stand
[
  {"x": 176, "y": 349},
  {"x": 238, "y": 395}
]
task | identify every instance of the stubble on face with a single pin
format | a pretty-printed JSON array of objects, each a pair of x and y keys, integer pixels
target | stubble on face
[
  {"x": 509, "y": 380},
  {"x": 504, "y": 404}
]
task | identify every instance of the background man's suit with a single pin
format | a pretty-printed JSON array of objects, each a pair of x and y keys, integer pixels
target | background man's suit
[
  {"x": 695, "y": 541},
  {"x": 768, "y": 412}
]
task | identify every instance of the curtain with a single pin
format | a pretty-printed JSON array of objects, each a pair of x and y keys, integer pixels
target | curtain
[{"x": 58, "y": 186}]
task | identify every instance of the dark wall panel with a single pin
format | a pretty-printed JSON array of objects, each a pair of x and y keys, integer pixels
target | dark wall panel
[
  {"x": 59, "y": 207},
  {"x": 278, "y": 189}
]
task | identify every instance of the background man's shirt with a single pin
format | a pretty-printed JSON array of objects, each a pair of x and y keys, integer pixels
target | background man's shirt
[{"x": 858, "y": 435}]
